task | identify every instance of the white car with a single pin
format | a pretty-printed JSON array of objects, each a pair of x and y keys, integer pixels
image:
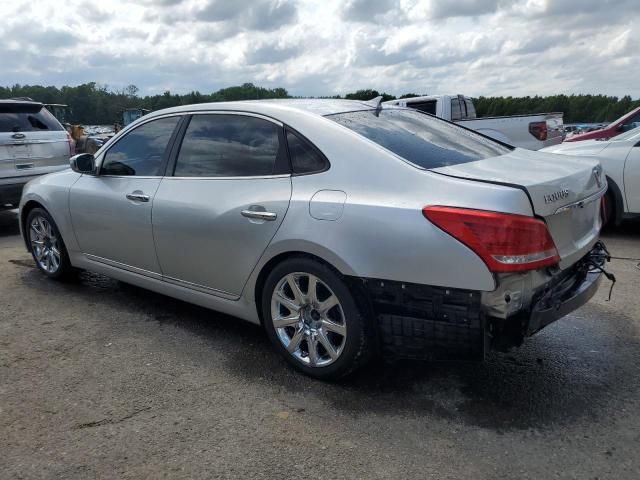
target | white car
[{"x": 620, "y": 158}]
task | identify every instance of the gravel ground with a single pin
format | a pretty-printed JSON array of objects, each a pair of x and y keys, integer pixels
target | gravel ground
[{"x": 101, "y": 379}]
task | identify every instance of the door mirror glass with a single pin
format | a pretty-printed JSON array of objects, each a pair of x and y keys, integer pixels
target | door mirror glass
[{"x": 83, "y": 163}]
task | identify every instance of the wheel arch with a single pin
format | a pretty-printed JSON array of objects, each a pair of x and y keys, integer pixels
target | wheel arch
[
  {"x": 618, "y": 201},
  {"x": 24, "y": 213},
  {"x": 268, "y": 267}
]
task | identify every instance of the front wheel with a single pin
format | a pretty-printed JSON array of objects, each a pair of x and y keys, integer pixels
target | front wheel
[
  {"x": 313, "y": 319},
  {"x": 46, "y": 245}
]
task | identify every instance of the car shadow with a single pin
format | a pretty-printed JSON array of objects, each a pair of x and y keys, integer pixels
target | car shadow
[
  {"x": 584, "y": 366},
  {"x": 9, "y": 223}
]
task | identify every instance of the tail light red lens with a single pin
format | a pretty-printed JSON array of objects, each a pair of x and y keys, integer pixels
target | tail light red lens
[
  {"x": 539, "y": 130},
  {"x": 505, "y": 242}
]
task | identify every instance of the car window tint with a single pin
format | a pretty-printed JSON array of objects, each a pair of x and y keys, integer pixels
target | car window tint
[
  {"x": 426, "y": 107},
  {"x": 423, "y": 140},
  {"x": 456, "y": 111},
  {"x": 228, "y": 146},
  {"x": 304, "y": 158},
  {"x": 471, "y": 109},
  {"x": 140, "y": 151},
  {"x": 29, "y": 121}
]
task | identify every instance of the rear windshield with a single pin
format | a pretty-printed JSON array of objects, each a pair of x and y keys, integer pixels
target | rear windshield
[
  {"x": 423, "y": 140},
  {"x": 31, "y": 120}
]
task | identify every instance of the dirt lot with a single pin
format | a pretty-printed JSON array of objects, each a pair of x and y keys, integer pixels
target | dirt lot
[{"x": 100, "y": 379}]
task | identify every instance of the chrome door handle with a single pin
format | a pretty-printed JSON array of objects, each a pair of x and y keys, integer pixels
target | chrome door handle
[
  {"x": 138, "y": 197},
  {"x": 257, "y": 214}
]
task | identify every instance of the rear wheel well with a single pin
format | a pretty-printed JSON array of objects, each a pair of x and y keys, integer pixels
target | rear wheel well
[
  {"x": 24, "y": 213},
  {"x": 271, "y": 264}
]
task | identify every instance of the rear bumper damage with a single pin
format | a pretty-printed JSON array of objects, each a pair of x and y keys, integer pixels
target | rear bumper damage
[{"x": 437, "y": 323}]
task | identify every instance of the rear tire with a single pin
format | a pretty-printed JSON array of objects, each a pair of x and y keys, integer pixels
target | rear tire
[
  {"x": 46, "y": 245},
  {"x": 313, "y": 320}
]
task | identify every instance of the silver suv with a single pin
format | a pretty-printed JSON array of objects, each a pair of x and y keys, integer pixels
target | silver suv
[{"x": 32, "y": 143}]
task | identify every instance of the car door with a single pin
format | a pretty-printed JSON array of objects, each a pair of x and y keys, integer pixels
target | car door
[
  {"x": 111, "y": 211},
  {"x": 228, "y": 193},
  {"x": 632, "y": 179}
]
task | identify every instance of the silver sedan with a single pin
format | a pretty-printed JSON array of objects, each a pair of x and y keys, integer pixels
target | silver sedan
[{"x": 347, "y": 229}]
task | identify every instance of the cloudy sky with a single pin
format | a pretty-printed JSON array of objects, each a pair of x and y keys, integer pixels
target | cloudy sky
[{"x": 325, "y": 47}]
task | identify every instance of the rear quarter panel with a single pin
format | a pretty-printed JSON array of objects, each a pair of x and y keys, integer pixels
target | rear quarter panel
[{"x": 382, "y": 232}]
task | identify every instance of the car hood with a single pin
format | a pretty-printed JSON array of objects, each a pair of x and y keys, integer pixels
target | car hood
[{"x": 585, "y": 148}]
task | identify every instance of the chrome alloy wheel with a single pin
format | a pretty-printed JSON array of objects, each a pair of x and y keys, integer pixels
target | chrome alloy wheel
[
  {"x": 308, "y": 319},
  {"x": 44, "y": 244}
]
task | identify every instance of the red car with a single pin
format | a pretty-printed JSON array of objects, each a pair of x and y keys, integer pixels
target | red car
[{"x": 624, "y": 123}]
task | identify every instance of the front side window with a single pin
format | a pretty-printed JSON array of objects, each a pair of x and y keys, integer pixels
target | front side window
[
  {"x": 304, "y": 158},
  {"x": 423, "y": 140},
  {"x": 141, "y": 152},
  {"x": 228, "y": 146}
]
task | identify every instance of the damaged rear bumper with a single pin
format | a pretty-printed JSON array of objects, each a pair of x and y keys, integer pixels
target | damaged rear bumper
[{"x": 425, "y": 322}]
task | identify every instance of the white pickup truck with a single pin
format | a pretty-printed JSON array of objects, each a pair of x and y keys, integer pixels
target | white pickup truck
[{"x": 527, "y": 131}]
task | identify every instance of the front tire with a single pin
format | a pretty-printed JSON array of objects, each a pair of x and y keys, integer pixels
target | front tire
[
  {"x": 46, "y": 245},
  {"x": 313, "y": 319}
]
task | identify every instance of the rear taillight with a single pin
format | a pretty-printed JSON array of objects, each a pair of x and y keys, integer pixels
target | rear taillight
[
  {"x": 539, "y": 130},
  {"x": 505, "y": 242},
  {"x": 72, "y": 145}
]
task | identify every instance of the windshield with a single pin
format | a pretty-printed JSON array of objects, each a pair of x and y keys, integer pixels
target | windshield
[
  {"x": 422, "y": 139},
  {"x": 630, "y": 135}
]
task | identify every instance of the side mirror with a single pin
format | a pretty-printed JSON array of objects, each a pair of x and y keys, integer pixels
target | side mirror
[{"x": 83, "y": 163}]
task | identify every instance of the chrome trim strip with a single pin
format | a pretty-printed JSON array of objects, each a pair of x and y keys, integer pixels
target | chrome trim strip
[
  {"x": 583, "y": 202},
  {"x": 158, "y": 276},
  {"x": 123, "y": 266},
  {"x": 254, "y": 177},
  {"x": 235, "y": 112},
  {"x": 200, "y": 288}
]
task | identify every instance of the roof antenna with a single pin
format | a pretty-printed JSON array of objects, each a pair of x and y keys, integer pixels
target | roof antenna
[{"x": 376, "y": 103}]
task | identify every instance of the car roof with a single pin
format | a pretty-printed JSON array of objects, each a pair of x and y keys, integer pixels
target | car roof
[
  {"x": 19, "y": 106},
  {"x": 317, "y": 106}
]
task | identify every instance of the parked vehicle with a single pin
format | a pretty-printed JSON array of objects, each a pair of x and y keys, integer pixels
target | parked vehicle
[
  {"x": 88, "y": 142},
  {"x": 625, "y": 123},
  {"x": 527, "y": 131},
  {"x": 32, "y": 143},
  {"x": 620, "y": 158},
  {"x": 343, "y": 227}
]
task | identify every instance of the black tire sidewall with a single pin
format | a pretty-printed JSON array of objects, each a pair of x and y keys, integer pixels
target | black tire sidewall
[
  {"x": 65, "y": 265},
  {"x": 355, "y": 350},
  {"x": 610, "y": 211}
]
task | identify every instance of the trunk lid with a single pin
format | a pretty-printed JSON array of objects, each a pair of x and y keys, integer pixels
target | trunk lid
[{"x": 563, "y": 190}]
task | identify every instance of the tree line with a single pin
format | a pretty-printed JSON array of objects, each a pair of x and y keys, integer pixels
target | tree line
[{"x": 92, "y": 103}]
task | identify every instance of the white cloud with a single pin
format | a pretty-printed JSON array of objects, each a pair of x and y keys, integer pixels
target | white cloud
[{"x": 324, "y": 47}]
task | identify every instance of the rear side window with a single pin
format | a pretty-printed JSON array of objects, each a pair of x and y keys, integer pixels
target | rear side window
[
  {"x": 228, "y": 146},
  {"x": 141, "y": 151},
  {"x": 456, "y": 110},
  {"x": 28, "y": 119},
  {"x": 471, "y": 109},
  {"x": 426, "y": 107},
  {"x": 423, "y": 140},
  {"x": 304, "y": 157}
]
